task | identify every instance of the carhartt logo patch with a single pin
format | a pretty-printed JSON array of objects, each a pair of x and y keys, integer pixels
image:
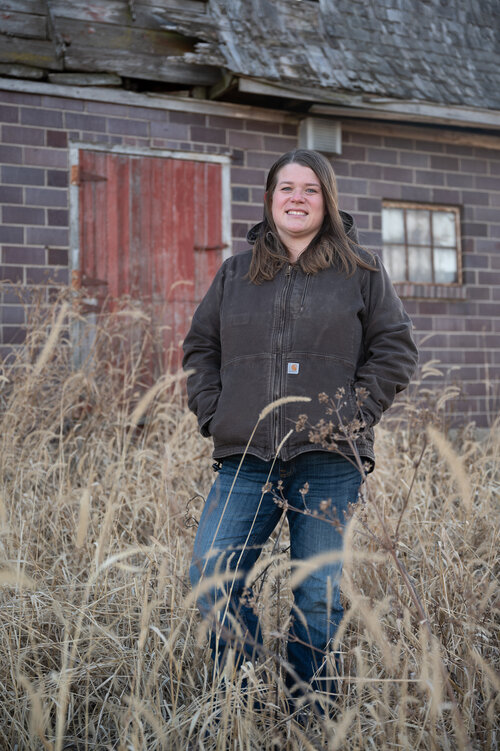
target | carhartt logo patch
[{"x": 293, "y": 368}]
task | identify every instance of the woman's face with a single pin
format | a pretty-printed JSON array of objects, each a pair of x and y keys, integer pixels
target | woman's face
[{"x": 298, "y": 207}]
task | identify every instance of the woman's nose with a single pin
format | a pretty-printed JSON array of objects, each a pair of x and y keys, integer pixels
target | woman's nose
[{"x": 297, "y": 195}]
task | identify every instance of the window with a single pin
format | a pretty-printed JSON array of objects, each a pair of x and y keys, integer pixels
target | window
[{"x": 421, "y": 243}]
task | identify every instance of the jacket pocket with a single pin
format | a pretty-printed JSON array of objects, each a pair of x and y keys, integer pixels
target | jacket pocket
[
  {"x": 246, "y": 385},
  {"x": 329, "y": 382}
]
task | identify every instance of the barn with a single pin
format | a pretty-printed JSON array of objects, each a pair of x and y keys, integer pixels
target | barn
[{"x": 136, "y": 136}]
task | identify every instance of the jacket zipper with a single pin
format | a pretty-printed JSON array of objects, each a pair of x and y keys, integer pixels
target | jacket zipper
[
  {"x": 304, "y": 293},
  {"x": 284, "y": 300}
]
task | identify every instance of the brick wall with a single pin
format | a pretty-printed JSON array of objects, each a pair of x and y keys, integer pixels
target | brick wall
[
  {"x": 460, "y": 328},
  {"x": 462, "y": 333}
]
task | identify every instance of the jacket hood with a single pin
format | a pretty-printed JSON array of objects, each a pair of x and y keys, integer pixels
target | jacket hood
[{"x": 349, "y": 227}]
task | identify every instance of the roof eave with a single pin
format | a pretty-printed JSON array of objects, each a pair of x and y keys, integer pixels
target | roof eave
[{"x": 345, "y": 104}]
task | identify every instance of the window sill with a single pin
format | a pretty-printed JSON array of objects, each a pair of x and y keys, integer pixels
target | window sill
[{"x": 410, "y": 290}]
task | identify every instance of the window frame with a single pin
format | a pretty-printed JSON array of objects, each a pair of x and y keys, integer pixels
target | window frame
[{"x": 417, "y": 206}]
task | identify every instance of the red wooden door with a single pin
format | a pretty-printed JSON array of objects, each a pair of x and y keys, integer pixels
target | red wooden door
[{"x": 150, "y": 229}]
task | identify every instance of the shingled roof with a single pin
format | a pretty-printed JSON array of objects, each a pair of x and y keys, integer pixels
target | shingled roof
[
  {"x": 445, "y": 51},
  {"x": 441, "y": 51}
]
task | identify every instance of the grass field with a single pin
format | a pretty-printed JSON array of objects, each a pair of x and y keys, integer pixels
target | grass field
[{"x": 102, "y": 483}]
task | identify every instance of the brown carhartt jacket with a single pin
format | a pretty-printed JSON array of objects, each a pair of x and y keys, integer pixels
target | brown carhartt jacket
[{"x": 297, "y": 335}]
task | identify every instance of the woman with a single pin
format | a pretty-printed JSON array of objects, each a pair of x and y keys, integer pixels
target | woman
[{"x": 306, "y": 313}]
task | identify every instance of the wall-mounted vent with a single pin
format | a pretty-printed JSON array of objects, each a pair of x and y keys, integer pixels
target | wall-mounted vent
[{"x": 321, "y": 134}]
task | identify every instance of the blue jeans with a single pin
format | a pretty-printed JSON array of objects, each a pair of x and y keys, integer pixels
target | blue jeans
[{"x": 234, "y": 526}]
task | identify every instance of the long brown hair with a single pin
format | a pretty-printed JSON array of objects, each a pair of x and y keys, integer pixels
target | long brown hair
[{"x": 331, "y": 244}]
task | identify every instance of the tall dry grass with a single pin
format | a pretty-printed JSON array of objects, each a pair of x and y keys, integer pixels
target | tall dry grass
[{"x": 102, "y": 481}]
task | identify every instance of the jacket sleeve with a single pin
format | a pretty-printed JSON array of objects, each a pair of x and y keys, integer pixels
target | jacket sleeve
[
  {"x": 390, "y": 353},
  {"x": 202, "y": 355}
]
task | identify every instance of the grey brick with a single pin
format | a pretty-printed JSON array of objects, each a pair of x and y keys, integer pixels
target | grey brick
[
  {"x": 168, "y": 130},
  {"x": 12, "y": 314},
  {"x": 11, "y": 234},
  {"x": 279, "y": 144},
  {"x": 9, "y": 194},
  {"x": 58, "y": 257},
  {"x": 84, "y": 122},
  {"x": 57, "y": 139},
  {"x": 224, "y": 121},
  {"x": 11, "y": 154},
  {"x": 448, "y": 163},
  {"x": 355, "y": 186},
  {"x": 23, "y": 254},
  {"x": 208, "y": 135},
  {"x": 414, "y": 159},
  {"x": 22, "y": 215},
  {"x": 12, "y": 274},
  {"x": 47, "y": 236},
  {"x": 13, "y": 334},
  {"x": 57, "y": 179},
  {"x": 47, "y": 197},
  {"x": 429, "y": 177},
  {"x": 61, "y": 103},
  {"x": 240, "y": 194},
  {"x": 474, "y": 197},
  {"x": 373, "y": 171},
  {"x": 58, "y": 217},
  {"x": 41, "y": 117},
  {"x": 23, "y": 175},
  {"x": 36, "y": 156},
  {"x": 247, "y": 141},
  {"x": 382, "y": 156},
  {"x": 398, "y": 174},
  {"x": 37, "y": 275},
  {"x": 25, "y": 136},
  {"x": 128, "y": 127},
  {"x": 9, "y": 114},
  {"x": 187, "y": 118}
]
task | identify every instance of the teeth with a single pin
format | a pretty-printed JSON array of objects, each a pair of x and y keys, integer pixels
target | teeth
[{"x": 297, "y": 213}]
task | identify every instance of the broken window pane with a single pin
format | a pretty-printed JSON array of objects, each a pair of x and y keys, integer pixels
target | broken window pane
[
  {"x": 418, "y": 227},
  {"x": 393, "y": 228},
  {"x": 445, "y": 265},
  {"x": 395, "y": 262},
  {"x": 419, "y": 264},
  {"x": 443, "y": 228}
]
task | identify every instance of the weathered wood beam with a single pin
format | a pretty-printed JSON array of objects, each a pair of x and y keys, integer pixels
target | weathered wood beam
[
  {"x": 112, "y": 37},
  {"x": 193, "y": 6},
  {"x": 425, "y": 112},
  {"x": 24, "y": 25},
  {"x": 94, "y": 11},
  {"x": 118, "y": 11},
  {"x": 339, "y": 104},
  {"x": 21, "y": 71},
  {"x": 85, "y": 79},
  {"x": 154, "y": 15},
  {"x": 37, "y": 54},
  {"x": 24, "y": 6},
  {"x": 142, "y": 66},
  {"x": 151, "y": 100},
  {"x": 429, "y": 133}
]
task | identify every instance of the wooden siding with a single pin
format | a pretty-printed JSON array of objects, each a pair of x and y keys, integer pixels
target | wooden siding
[
  {"x": 136, "y": 40},
  {"x": 150, "y": 229}
]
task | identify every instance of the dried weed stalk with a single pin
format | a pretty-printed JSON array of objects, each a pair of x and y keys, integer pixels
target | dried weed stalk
[{"x": 98, "y": 628}]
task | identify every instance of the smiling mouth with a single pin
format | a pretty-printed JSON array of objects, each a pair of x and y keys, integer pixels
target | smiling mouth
[{"x": 294, "y": 212}]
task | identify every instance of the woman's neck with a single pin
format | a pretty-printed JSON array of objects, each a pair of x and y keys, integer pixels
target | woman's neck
[{"x": 295, "y": 250}]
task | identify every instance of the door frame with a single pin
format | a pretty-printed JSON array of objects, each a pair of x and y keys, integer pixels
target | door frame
[{"x": 74, "y": 200}]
